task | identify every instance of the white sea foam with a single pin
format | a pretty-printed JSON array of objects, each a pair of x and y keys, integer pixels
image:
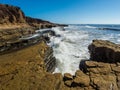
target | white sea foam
[
  {"x": 72, "y": 46},
  {"x": 87, "y": 26}
]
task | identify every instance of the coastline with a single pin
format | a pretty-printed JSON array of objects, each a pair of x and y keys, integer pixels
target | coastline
[{"x": 29, "y": 64}]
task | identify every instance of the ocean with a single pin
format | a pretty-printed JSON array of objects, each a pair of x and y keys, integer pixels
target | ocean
[{"x": 71, "y": 44}]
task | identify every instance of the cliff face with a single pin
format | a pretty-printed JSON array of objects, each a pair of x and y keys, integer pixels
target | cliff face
[
  {"x": 11, "y": 15},
  {"x": 104, "y": 51},
  {"x": 15, "y": 18},
  {"x": 39, "y": 23},
  {"x": 14, "y": 24}
]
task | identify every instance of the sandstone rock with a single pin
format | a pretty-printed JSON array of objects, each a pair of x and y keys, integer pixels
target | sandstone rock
[
  {"x": 81, "y": 79},
  {"x": 115, "y": 68},
  {"x": 50, "y": 82},
  {"x": 76, "y": 88},
  {"x": 118, "y": 81},
  {"x": 79, "y": 73},
  {"x": 10, "y": 14},
  {"x": 89, "y": 88},
  {"x": 98, "y": 67},
  {"x": 102, "y": 76},
  {"x": 104, "y": 51},
  {"x": 24, "y": 69},
  {"x": 39, "y": 23},
  {"x": 105, "y": 82},
  {"x": 69, "y": 83},
  {"x": 68, "y": 76},
  {"x": 14, "y": 24}
]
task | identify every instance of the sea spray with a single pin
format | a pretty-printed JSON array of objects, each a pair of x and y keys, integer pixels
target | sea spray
[{"x": 71, "y": 45}]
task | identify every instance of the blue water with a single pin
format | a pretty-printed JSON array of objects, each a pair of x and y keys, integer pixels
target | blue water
[{"x": 72, "y": 46}]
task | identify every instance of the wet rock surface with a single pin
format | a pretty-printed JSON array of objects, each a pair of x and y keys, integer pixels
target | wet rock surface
[{"x": 108, "y": 29}]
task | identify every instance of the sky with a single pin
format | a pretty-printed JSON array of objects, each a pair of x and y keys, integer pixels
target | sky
[{"x": 71, "y": 11}]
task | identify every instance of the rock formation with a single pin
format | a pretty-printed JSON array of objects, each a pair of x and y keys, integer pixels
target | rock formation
[
  {"x": 104, "y": 51},
  {"x": 102, "y": 72},
  {"x": 108, "y": 29},
  {"x": 11, "y": 15},
  {"x": 24, "y": 69},
  {"x": 39, "y": 23},
  {"x": 14, "y": 24},
  {"x": 14, "y": 16},
  {"x": 29, "y": 67}
]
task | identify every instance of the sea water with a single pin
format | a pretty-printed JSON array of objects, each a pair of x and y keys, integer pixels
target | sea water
[{"x": 71, "y": 45}]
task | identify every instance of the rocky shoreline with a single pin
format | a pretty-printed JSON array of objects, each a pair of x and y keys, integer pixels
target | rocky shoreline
[
  {"x": 38, "y": 62},
  {"x": 15, "y": 24},
  {"x": 93, "y": 74},
  {"x": 29, "y": 64}
]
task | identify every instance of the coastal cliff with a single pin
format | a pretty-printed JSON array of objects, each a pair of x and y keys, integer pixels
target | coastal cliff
[
  {"x": 15, "y": 24},
  {"x": 14, "y": 17},
  {"x": 11, "y": 15}
]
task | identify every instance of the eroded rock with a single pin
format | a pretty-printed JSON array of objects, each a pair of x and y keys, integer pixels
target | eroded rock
[
  {"x": 68, "y": 76},
  {"x": 104, "y": 51},
  {"x": 24, "y": 69},
  {"x": 81, "y": 79}
]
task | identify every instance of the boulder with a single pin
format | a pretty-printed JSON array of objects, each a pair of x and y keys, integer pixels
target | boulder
[
  {"x": 68, "y": 76},
  {"x": 81, "y": 79},
  {"x": 69, "y": 83},
  {"x": 104, "y": 51},
  {"x": 103, "y": 75}
]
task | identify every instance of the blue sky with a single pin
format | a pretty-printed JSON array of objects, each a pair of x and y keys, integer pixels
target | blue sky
[{"x": 71, "y": 11}]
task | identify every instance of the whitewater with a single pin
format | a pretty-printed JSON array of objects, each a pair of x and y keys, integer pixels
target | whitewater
[{"x": 70, "y": 44}]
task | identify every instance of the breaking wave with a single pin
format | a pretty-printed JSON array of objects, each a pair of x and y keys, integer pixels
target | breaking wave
[{"x": 71, "y": 45}]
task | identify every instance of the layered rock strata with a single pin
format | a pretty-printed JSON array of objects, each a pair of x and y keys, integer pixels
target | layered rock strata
[
  {"x": 14, "y": 16},
  {"x": 104, "y": 51},
  {"x": 29, "y": 68},
  {"x": 15, "y": 24},
  {"x": 26, "y": 69},
  {"x": 98, "y": 76},
  {"x": 49, "y": 60},
  {"x": 19, "y": 44},
  {"x": 92, "y": 76}
]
